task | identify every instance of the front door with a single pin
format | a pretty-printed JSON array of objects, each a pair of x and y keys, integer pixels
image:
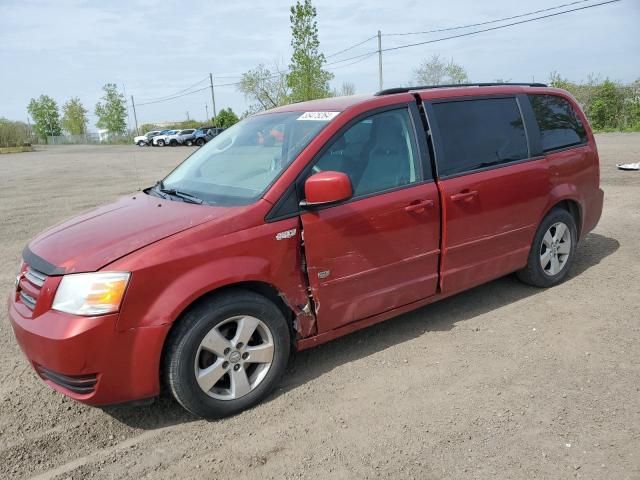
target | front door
[
  {"x": 493, "y": 189},
  {"x": 380, "y": 249}
]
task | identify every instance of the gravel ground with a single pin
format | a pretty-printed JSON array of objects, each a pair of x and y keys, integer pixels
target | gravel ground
[{"x": 501, "y": 381}]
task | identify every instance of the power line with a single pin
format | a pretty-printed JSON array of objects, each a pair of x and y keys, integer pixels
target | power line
[
  {"x": 354, "y": 46},
  {"x": 369, "y": 55},
  {"x": 466, "y": 34},
  {"x": 460, "y": 27},
  {"x": 364, "y": 56},
  {"x": 498, "y": 27},
  {"x": 175, "y": 96},
  {"x": 178, "y": 92}
]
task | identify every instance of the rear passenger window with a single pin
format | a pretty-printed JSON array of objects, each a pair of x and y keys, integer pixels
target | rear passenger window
[
  {"x": 559, "y": 125},
  {"x": 479, "y": 133}
]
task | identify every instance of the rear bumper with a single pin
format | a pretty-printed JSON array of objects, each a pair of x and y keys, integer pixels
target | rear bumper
[{"x": 86, "y": 359}]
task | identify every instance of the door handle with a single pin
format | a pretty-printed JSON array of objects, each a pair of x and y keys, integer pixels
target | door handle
[
  {"x": 464, "y": 195},
  {"x": 419, "y": 206}
]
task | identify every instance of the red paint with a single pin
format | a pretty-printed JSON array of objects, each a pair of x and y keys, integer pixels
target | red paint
[
  {"x": 327, "y": 187},
  {"x": 361, "y": 245},
  {"x": 367, "y": 259}
]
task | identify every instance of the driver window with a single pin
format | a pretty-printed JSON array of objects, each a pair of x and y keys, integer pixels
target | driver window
[{"x": 377, "y": 153}]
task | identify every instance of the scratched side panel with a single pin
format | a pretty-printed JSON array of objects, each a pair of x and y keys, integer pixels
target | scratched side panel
[{"x": 370, "y": 255}]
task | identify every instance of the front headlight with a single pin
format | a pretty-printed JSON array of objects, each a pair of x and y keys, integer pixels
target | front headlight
[{"x": 91, "y": 293}]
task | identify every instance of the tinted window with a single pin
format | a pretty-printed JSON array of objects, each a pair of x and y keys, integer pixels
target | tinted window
[
  {"x": 378, "y": 153},
  {"x": 479, "y": 133},
  {"x": 559, "y": 125}
]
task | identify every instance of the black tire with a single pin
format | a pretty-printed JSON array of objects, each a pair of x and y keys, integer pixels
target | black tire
[
  {"x": 534, "y": 274},
  {"x": 188, "y": 143},
  {"x": 186, "y": 336},
  {"x": 141, "y": 143},
  {"x": 173, "y": 143},
  {"x": 200, "y": 142},
  {"x": 160, "y": 143}
]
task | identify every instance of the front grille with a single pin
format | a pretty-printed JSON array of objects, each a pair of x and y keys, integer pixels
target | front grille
[
  {"x": 29, "y": 287},
  {"x": 35, "y": 277},
  {"x": 82, "y": 384},
  {"x": 28, "y": 300}
]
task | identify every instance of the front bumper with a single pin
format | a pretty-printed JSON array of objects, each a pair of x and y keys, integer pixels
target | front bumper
[{"x": 87, "y": 359}]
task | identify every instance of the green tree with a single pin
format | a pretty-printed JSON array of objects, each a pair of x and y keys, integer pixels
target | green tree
[
  {"x": 226, "y": 118},
  {"x": 605, "y": 110},
  {"x": 264, "y": 88},
  {"x": 436, "y": 71},
  {"x": 44, "y": 111},
  {"x": 112, "y": 114},
  {"x": 13, "y": 134},
  {"x": 306, "y": 79},
  {"x": 74, "y": 117}
]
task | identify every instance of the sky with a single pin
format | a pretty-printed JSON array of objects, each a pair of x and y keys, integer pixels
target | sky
[{"x": 151, "y": 49}]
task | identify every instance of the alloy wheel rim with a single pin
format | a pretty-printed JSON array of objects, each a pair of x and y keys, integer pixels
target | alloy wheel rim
[
  {"x": 555, "y": 249},
  {"x": 234, "y": 357}
]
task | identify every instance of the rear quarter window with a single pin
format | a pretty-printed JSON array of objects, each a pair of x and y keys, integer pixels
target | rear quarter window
[
  {"x": 560, "y": 126},
  {"x": 479, "y": 133}
]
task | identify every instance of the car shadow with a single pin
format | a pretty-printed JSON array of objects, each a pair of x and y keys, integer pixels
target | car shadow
[{"x": 440, "y": 316}]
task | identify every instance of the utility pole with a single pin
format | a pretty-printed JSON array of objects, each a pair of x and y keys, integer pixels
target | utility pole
[
  {"x": 380, "y": 59},
  {"x": 135, "y": 117},
  {"x": 213, "y": 97},
  {"x": 187, "y": 115},
  {"x": 206, "y": 107}
]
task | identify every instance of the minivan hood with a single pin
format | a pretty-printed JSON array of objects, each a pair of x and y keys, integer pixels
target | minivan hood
[{"x": 94, "y": 239}]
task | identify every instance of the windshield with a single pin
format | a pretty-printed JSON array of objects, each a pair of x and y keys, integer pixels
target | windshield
[{"x": 238, "y": 165}]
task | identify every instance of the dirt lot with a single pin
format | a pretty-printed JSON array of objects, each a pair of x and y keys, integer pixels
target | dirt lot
[{"x": 502, "y": 381}]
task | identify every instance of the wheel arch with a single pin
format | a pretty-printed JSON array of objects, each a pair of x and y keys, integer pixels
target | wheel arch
[
  {"x": 265, "y": 289},
  {"x": 573, "y": 207},
  {"x": 566, "y": 196},
  {"x": 262, "y": 288}
]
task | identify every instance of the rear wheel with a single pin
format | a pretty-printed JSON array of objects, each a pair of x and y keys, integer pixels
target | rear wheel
[
  {"x": 552, "y": 251},
  {"x": 200, "y": 142},
  {"x": 227, "y": 355},
  {"x": 188, "y": 143},
  {"x": 141, "y": 143},
  {"x": 173, "y": 143}
]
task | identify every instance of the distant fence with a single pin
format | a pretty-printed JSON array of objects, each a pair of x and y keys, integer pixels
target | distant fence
[{"x": 88, "y": 139}]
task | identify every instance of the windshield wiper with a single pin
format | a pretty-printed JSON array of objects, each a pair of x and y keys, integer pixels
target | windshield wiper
[{"x": 187, "y": 197}]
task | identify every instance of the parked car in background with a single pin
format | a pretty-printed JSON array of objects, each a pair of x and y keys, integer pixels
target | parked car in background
[
  {"x": 162, "y": 139},
  {"x": 204, "y": 134},
  {"x": 178, "y": 137},
  {"x": 144, "y": 140},
  {"x": 185, "y": 137},
  {"x": 368, "y": 206}
]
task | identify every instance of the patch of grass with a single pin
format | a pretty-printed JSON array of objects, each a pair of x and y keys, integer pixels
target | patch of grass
[{"x": 16, "y": 149}]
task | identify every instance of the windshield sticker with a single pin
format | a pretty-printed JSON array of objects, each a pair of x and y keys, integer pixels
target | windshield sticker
[{"x": 318, "y": 116}]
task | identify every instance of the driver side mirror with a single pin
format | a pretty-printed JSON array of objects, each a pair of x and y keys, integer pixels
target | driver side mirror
[{"x": 325, "y": 188}]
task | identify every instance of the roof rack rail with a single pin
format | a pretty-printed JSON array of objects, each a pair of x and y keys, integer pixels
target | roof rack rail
[{"x": 391, "y": 91}]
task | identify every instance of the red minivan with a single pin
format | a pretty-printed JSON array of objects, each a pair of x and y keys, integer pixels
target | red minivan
[{"x": 300, "y": 225}]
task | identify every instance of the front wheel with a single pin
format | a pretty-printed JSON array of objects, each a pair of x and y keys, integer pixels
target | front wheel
[
  {"x": 200, "y": 142},
  {"x": 188, "y": 143},
  {"x": 141, "y": 143},
  {"x": 552, "y": 250},
  {"x": 160, "y": 143},
  {"x": 227, "y": 355}
]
